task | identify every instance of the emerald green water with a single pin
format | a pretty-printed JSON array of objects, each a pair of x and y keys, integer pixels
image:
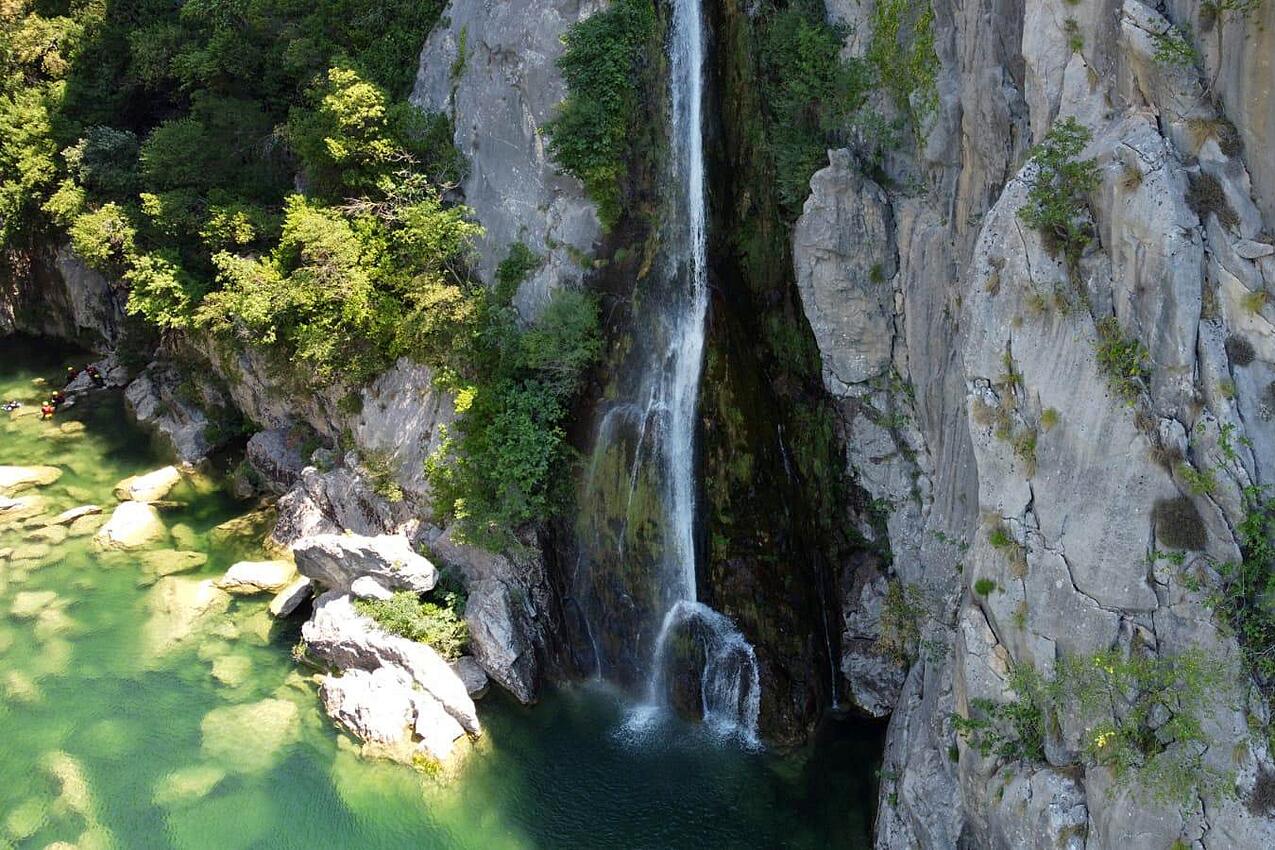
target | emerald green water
[{"x": 112, "y": 735}]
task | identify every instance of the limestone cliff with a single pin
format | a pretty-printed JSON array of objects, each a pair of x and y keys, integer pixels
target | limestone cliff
[{"x": 1007, "y": 460}]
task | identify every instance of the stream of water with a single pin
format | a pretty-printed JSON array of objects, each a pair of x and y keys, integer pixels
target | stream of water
[{"x": 120, "y": 727}]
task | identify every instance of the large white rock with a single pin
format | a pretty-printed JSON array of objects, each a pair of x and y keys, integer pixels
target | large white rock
[
  {"x": 248, "y": 577},
  {"x": 345, "y": 639},
  {"x": 336, "y": 560},
  {"x": 131, "y": 526},
  {"x": 151, "y": 487},
  {"x": 376, "y": 706},
  {"x": 15, "y": 478}
]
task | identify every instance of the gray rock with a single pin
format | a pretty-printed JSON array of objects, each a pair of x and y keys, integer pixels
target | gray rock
[
  {"x": 291, "y": 598},
  {"x": 155, "y": 402},
  {"x": 133, "y": 525},
  {"x": 251, "y": 577},
  {"x": 501, "y": 93},
  {"x": 472, "y": 674},
  {"x": 337, "y": 560},
  {"x": 275, "y": 454},
  {"x": 341, "y": 637},
  {"x": 366, "y": 587}
]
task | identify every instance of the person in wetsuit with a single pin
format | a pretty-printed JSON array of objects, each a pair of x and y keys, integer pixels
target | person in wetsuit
[
  {"x": 58, "y": 398},
  {"x": 47, "y": 409},
  {"x": 71, "y": 374},
  {"x": 11, "y": 406},
  {"x": 95, "y": 375}
]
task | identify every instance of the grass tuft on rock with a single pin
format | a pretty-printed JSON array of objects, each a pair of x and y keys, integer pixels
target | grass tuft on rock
[
  {"x": 1178, "y": 524},
  {"x": 1240, "y": 350}
]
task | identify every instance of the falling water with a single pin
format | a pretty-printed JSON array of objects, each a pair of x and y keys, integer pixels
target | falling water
[{"x": 730, "y": 692}]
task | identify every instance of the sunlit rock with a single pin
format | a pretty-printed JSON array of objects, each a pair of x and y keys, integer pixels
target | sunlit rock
[
  {"x": 12, "y": 510},
  {"x": 249, "y": 738},
  {"x": 15, "y": 478},
  {"x": 51, "y": 534},
  {"x": 250, "y": 577},
  {"x": 473, "y": 675},
  {"x": 151, "y": 487},
  {"x": 291, "y": 598},
  {"x": 336, "y": 560},
  {"x": 20, "y": 688},
  {"x": 69, "y": 516},
  {"x": 366, "y": 587},
  {"x": 251, "y": 529},
  {"x": 132, "y": 525}
]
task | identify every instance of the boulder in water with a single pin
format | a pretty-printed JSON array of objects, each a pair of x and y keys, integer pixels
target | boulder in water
[
  {"x": 248, "y": 577},
  {"x": 29, "y": 603},
  {"x": 151, "y": 487},
  {"x": 132, "y": 525},
  {"x": 232, "y": 670},
  {"x": 345, "y": 639},
  {"x": 375, "y": 706},
  {"x": 12, "y": 510},
  {"x": 336, "y": 560},
  {"x": 291, "y": 597},
  {"x": 15, "y": 478},
  {"x": 50, "y": 534},
  {"x": 250, "y": 529}
]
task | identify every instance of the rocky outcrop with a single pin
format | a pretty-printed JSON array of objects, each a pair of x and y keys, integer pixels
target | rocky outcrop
[
  {"x": 509, "y": 612},
  {"x": 397, "y": 684},
  {"x": 162, "y": 400},
  {"x": 55, "y": 294},
  {"x": 491, "y": 68},
  {"x": 977, "y": 415},
  {"x": 338, "y": 560}
]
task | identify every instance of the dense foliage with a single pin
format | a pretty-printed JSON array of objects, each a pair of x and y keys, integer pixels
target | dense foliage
[
  {"x": 592, "y": 134},
  {"x": 442, "y": 626},
  {"x": 251, "y": 168}
]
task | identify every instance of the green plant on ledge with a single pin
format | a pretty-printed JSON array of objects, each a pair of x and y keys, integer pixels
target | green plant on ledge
[
  {"x": 1122, "y": 360},
  {"x": 440, "y": 626},
  {"x": 1057, "y": 200}
]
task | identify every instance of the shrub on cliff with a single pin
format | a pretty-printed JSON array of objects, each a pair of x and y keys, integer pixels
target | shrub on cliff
[
  {"x": 591, "y": 135},
  {"x": 1058, "y": 200},
  {"x": 441, "y": 626}
]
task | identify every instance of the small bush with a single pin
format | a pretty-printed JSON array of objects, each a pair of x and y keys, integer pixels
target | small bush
[
  {"x": 903, "y": 612},
  {"x": 517, "y": 266},
  {"x": 1122, "y": 360},
  {"x": 1240, "y": 350},
  {"x": 984, "y": 586},
  {"x": 1178, "y": 524},
  {"x": 1049, "y": 419},
  {"x": 1205, "y": 195},
  {"x": 1075, "y": 41},
  {"x": 1201, "y": 482},
  {"x": 999, "y": 536},
  {"x": 440, "y": 626},
  {"x": 1058, "y": 200},
  {"x": 1010, "y": 730},
  {"x": 1261, "y": 801},
  {"x": 1176, "y": 47},
  {"x": 1254, "y": 301},
  {"x": 380, "y": 471}
]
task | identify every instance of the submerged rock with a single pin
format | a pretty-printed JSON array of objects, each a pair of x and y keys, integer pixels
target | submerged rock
[
  {"x": 12, "y": 510},
  {"x": 151, "y": 487},
  {"x": 167, "y": 562},
  {"x": 29, "y": 603},
  {"x": 232, "y": 670},
  {"x": 15, "y": 478},
  {"x": 248, "y": 738},
  {"x": 251, "y": 529},
  {"x": 187, "y": 785},
  {"x": 132, "y": 525},
  {"x": 336, "y": 560},
  {"x": 249, "y": 577},
  {"x": 178, "y": 605}
]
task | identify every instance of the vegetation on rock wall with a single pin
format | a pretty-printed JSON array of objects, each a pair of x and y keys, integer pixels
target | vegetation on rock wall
[
  {"x": 1141, "y": 716},
  {"x": 255, "y": 171},
  {"x": 592, "y": 137},
  {"x": 442, "y": 626},
  {"x": 1058, "y": 199}
]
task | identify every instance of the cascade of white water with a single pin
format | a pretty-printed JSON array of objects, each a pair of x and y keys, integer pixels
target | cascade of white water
[{"x": 729, "y": 686}]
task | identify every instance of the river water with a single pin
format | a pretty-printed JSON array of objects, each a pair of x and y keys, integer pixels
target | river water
[{"x": 120, "y": 727}]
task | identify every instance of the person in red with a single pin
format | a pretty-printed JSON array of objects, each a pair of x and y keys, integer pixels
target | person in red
[{"x": 47, "y": 409}]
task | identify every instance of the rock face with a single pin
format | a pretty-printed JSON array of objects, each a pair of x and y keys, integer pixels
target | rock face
[
  {"x": 962, "y": 352},
  {"x": 491, "y": 68},
  {"x": 157, "y": 404},
  {"x": 337, "y": 560}
]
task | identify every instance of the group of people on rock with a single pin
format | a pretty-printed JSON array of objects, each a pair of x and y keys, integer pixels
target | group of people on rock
[{"x": 57, "y": 398}]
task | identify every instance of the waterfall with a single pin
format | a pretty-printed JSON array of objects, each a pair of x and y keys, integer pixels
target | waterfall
[
  {"x": 729, "y": 687},
  {"x": 635, "y": 585}
]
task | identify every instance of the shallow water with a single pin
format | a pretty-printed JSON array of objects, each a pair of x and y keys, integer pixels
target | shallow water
[{"x": 114, "y": 736}]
